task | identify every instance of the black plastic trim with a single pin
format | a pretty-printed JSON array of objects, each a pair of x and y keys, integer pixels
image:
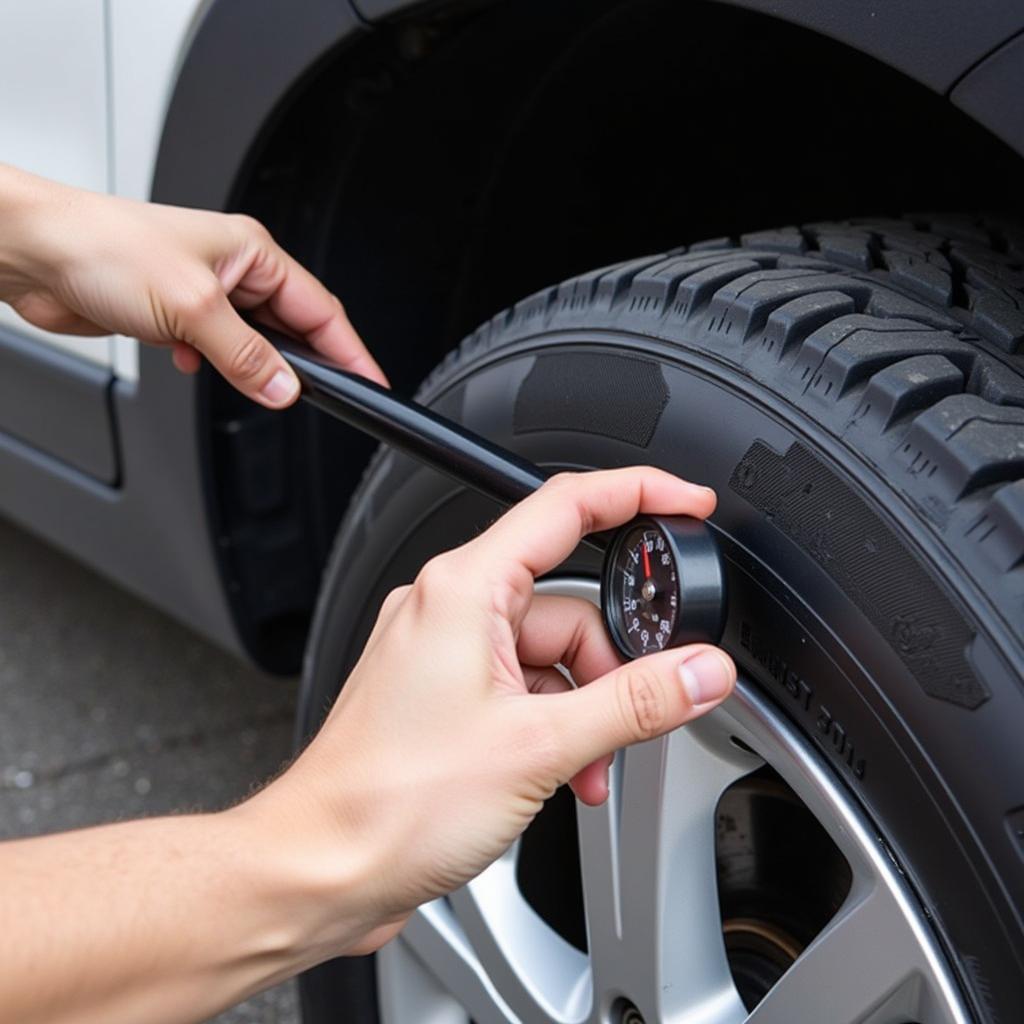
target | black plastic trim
[{"x": 60, "y": 404}]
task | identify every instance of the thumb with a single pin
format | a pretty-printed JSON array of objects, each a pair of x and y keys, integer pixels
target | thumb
[
  {"x": 639, "y": 701},
  {"x": 242, "y": 355}
]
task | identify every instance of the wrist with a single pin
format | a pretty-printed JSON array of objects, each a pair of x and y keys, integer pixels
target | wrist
[{"x": 316, "y": 879}]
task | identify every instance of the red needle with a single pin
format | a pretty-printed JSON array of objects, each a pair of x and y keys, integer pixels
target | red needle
[{"x": 647, "y": 562}]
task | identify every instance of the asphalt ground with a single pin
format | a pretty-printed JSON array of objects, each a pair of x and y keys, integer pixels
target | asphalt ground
[{"x": 110, "y": 710}]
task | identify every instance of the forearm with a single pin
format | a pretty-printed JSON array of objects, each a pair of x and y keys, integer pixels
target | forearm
[
  {"x": 165, "y": 920},
  {"x": 80, "y": 262}
]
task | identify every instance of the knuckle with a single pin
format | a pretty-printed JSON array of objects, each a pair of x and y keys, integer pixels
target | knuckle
[
  {"x": 248, "y": 358},
  {"x": 588, "y": 521},
  {"x": 642, "y": 703},
  {"x": 567, "y": 487},
  {"x": 589, "y": 623},
  {"x": 250, "y": 225},
  {"x": 202, "y": 300},
  {"x": 394, "y": 601},
  {"x": 560, "y": 481},
  {"x": 509, "y": 586},
  {"x": 434, "y": 579}
]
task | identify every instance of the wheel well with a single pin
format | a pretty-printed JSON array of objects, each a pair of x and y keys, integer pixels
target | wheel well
[{"x": 457, "y": 160}]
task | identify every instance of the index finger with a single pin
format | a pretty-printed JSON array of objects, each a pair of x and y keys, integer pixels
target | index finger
[
  {"x": 543, "y": 529},
  {"x": 302, "y": 306}
]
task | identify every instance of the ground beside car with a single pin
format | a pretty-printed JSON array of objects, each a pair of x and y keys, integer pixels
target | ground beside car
[{"x": 110, "y": 710}]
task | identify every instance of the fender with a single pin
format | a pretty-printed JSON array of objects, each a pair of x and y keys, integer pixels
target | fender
[
  {"x": 247, "y": 55},
  {"x": 244, "y": 58}
]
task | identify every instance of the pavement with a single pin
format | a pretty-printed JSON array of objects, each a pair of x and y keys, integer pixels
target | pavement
[{"x": 110, "y": 710}]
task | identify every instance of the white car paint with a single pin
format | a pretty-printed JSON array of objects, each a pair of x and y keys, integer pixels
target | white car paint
[{"x": 85, "y": 85}]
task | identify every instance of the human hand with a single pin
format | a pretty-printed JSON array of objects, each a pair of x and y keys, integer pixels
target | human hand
[
  {"x": 454, "y": 727},
  {"x": 78, "y": 262}
]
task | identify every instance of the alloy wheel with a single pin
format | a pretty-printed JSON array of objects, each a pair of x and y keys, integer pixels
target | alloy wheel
[{"x": 657, "y": 947}]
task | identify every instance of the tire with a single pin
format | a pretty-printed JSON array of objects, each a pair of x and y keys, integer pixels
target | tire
[{"x": 854, "y": 393}]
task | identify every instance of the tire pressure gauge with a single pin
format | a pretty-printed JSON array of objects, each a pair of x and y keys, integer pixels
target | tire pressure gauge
[
  {"x": 663, "y": 585},
  {"x": 663, "y": 582}
]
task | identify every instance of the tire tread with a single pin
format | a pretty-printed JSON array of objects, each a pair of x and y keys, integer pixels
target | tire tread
[{"x": 902, "y": 337}]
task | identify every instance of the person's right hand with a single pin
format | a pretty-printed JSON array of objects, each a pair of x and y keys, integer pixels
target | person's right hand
[
  {"x": 78, "y": 262},
  {"x": 455, "y": 726}
]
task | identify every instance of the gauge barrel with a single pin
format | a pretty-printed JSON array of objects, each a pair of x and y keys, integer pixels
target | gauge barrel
[{"x": 412, "y": 428}]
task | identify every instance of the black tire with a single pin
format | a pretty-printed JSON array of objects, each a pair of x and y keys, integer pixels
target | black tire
[{"x": 854, "y": 393}]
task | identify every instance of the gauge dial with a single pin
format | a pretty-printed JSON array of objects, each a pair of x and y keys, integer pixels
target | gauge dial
[{"x": 642, "y": 584}]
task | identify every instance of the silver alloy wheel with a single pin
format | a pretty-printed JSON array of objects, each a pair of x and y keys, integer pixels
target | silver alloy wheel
[{"x": 483, "y": 953}]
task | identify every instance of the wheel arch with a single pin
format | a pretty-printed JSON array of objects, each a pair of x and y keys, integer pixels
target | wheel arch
[{"x": 927, "y": 40}]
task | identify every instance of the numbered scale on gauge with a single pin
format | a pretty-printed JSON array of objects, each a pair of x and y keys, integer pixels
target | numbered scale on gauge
[
  {"x": 649, "y": 592},
  {"x": 663, "y": 585}
]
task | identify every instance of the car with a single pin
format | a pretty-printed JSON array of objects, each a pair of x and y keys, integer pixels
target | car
[{"x": 812, "y": 334}]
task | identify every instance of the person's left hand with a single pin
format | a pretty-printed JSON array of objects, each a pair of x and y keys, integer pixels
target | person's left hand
[{"x": 84, "y": 263}]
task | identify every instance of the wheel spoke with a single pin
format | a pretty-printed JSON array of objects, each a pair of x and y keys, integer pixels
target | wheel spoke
[
  {"x": 438, "y": 942},
  {"x": 409, "y": 994},
  {"x": 648, "y": 860},
  {"x": 864, "y": 966},
  {"x": 538, "y": 974}
]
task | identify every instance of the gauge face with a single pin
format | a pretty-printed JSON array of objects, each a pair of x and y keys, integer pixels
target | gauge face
[{"x": 643, "y": 591}]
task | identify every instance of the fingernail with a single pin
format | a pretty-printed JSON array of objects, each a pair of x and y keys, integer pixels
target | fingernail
[
  {"x": 706, "y": 677},
  {"x": 282, "y": 387}
]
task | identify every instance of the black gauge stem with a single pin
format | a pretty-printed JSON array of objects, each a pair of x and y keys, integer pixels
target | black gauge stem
[{"x": 415, "y": 430}]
